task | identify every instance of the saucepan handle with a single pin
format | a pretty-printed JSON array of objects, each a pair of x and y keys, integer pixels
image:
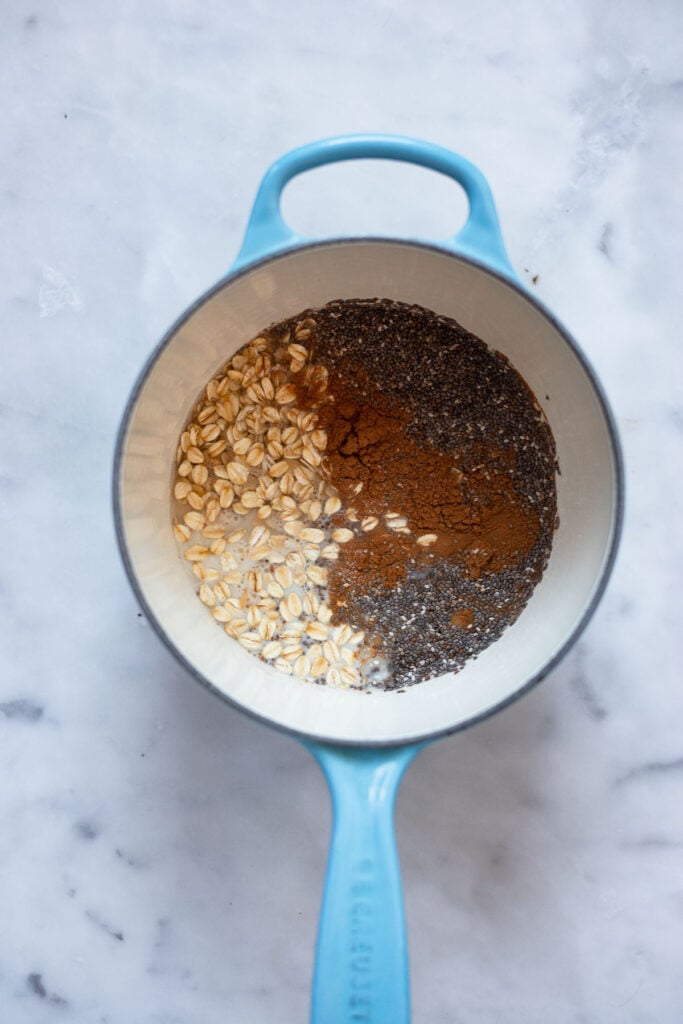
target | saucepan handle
[
  {"x": 361, "y": 968},
  {"x": 480, "y": 237}
]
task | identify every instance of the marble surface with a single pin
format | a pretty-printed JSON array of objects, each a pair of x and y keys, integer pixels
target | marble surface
[{"x": 162, "y": 856}]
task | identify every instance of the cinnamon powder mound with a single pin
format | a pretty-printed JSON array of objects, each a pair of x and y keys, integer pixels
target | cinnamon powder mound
[
  {"x": 445, "y": 467},
  {"x": 477, "y": 518}
]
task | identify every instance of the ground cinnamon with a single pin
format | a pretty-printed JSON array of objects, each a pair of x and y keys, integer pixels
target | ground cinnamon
[{"x": 377, "y": 468}]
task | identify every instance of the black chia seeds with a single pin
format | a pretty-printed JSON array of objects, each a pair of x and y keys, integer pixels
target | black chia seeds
[{"x": 465, "y": 401}]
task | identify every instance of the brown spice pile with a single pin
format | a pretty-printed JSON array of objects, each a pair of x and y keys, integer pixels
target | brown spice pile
[{"x": 480, "y": 520}]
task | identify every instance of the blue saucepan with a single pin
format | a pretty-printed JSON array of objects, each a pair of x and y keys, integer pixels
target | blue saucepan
[{"x": 364, "y": 743}]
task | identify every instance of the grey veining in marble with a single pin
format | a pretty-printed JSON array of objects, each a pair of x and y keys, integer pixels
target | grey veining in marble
[{"x": 162, "y": 856}]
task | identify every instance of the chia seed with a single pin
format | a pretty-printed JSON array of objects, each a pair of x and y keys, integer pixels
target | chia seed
[{"x": 467, "y": 401}]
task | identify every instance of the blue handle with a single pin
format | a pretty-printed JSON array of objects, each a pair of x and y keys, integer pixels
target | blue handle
[
  {"x": 480, "y": 237},
  {"x": 361, "y": 973}
]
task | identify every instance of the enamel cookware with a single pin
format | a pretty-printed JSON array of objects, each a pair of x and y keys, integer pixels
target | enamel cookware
[{"x": 364, "y": 743}]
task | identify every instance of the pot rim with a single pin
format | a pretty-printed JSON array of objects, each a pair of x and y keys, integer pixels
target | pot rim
[{"x": 619, "y": 487}]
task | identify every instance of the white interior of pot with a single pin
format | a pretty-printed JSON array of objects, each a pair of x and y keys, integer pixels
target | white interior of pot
[{"x": 505, "y": 320}]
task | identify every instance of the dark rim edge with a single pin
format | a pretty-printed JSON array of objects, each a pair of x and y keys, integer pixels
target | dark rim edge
[{"x": 608, "y": 565}]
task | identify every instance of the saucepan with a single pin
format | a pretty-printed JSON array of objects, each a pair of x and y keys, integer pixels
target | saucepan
[{"x": 364, "y": 742}]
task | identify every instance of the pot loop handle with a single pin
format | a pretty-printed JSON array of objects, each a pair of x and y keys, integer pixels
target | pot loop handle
[{"x": 480, "y": 238}]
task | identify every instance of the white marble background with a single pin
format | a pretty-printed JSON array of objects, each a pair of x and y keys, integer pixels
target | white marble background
[{"x": 161, "y": 857}]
